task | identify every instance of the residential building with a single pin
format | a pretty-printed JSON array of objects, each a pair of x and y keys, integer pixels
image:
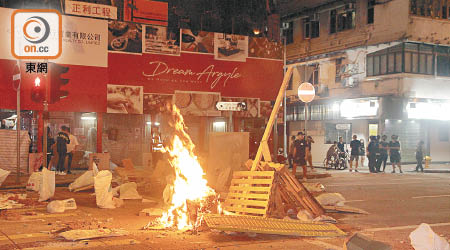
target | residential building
[{"x": 379, "y": 67}]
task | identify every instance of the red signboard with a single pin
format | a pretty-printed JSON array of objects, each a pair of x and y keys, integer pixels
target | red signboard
[
  {"x": 146, "y": 11},
  {"x": 255, "y": 78}
]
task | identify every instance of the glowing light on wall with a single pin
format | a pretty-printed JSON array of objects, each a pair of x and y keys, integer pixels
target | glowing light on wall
[
  {"x": 353, "y": 108},
  {"x": 429, "y": 110}
]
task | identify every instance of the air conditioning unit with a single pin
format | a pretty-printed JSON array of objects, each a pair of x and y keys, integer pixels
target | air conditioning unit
[{"x": 285, "y": 25}]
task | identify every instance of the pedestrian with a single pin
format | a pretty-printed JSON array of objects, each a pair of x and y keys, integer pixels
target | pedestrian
[
  {"x": 309, "y": 141},
  {"x": 62, "y": 140},
  {"x": 383, "y": 146},
  {"x": 362, "y": 152},
  {"x": 291, "y": 152},
  {"x": 341, "y": 144},
  {"x": 419, "y": 156},
  {"x": 372, "y": 151},
  {"x": 394, "y": 152},
  {"x": 300, "y": 149},
  {"x": 3, "y": 126},
  {"x": 355, "y": 145},
  {"x": 71, "y": 147}
]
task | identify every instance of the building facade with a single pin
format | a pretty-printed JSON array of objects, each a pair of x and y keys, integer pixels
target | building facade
[{"x": 379, "y": 67}]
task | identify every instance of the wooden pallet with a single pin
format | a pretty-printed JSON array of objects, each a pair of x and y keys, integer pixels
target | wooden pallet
[{"x": 249, "y": 193}]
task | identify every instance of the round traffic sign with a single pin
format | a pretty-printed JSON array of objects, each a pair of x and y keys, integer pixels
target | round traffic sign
[{"x": 306, "y": 92}]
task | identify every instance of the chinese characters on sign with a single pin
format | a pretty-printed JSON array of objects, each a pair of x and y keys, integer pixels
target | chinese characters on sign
[
  {"x": 81, "y": 37},
  {"x": 33, "y": 67},
  {"x": 91, "y": 10}
]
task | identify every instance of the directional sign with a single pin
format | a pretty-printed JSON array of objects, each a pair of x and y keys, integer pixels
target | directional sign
[
  {"x": 306, "y": 92},
  {"x": 231, "y": 106}
]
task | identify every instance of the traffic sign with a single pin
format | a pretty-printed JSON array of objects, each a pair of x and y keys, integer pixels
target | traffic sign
[
  {"x": 306, "y": 92},
  {"x": 231, "y": 106}
]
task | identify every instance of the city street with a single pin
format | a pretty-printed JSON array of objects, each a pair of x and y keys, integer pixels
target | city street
[{"x": 397, "y": 203}]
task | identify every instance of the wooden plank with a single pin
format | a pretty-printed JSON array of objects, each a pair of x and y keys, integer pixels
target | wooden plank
[
  {"x": 344, "y": 209},
  {"x": 269, "y": 126},
  {"x": 249, "y": 189},
  {"x": 251, "y": 181},
  {"x": 250, "y": 196},
  {"x": 253, "y": 173},
  {"x": 246, "y": 210},
  {"x": 230, "y": 202}
]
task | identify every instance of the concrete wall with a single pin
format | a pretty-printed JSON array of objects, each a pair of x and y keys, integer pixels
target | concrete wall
[
  {"x": 439, "y": 150},
  {"x": 390, "y": 24},
  {"x": 429, "y": 30}
]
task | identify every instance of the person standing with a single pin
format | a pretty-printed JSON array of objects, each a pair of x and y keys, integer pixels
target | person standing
[
  {"x": 362, "y": 152},
  {"x": 372, "y": 151},
  {"x": 300, "y": 149},
  {"x": 383, "y": 146},
  {"x": 419, "y": 156},
  {"x": 355, "y": 145},
  {"x": 62, "y": 140},
  {"x": 341, "y": 144},
  {"x": 71, "y": 147},
  {"x": 394, "y": 152},
  {"x": 309, "y": 141}
]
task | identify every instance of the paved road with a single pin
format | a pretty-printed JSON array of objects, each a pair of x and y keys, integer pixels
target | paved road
[{"x": 397, "y": 203}]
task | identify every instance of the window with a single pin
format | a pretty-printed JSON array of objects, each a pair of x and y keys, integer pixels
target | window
[
  {"x": 311, "y": 27},
  {"x": 289, "y": 33},
  {"x": 443, "y": 61},
  {"x": 371, "y": 11},
  {"x": 430, "y": 8},
  {"x": 343, "y": 18},
  {"x": 418, "y": 58},
  {"x": 314, "y": 78}
]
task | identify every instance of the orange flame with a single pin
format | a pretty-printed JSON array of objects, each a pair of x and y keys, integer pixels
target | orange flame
[{"x": 189, "y": 183}]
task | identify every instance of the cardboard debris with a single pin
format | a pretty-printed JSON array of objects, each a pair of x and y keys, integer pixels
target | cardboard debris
[
  {"x": 75, "y": 235},
  {"x": 59, "y": 206},
  {"x": 128, "y": 191},
  {"x": 423, "y": 238},
  {"x": 314, "y": 187},
  {"x": 331, "y": 199}
]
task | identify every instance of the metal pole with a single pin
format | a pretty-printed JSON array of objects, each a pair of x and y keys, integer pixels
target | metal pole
[
  {"x": 306, "y": 118},
  {"x": 18, "y": 135},
  {"x": 230, "y": 122},
  {"x": 45, "y": 114}
]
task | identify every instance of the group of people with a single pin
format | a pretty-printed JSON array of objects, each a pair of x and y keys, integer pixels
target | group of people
[
  {"x": 63, "y": 148},
  {"x": 378, "y": 152}
]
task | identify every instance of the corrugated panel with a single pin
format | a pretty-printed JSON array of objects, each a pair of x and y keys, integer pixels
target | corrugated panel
[
  {"x": 271, "y": 226},
  {"x": 8, "y": 149}
]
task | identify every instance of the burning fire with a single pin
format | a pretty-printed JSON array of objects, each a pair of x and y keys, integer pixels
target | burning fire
[{"x": 189, "y": 186}]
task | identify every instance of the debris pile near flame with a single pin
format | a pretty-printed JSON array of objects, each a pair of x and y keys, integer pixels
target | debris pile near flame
[{"x": 191, "y": 194}]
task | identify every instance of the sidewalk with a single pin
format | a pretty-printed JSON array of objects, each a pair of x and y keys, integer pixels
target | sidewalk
[
  {"x": 433, "y": 168},
  {"x": 60, "y": 180}
]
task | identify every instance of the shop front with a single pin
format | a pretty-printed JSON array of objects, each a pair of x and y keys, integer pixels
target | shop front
[{"x": 116, "y": 95}]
